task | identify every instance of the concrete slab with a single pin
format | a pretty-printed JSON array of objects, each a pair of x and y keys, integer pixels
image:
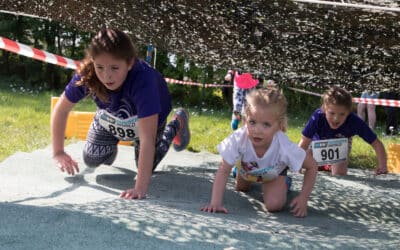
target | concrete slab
[{"x": 42, "y": 208}]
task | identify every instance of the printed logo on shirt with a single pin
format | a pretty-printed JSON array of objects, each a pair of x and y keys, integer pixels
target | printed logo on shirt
[{"x": 251, "y": 172}]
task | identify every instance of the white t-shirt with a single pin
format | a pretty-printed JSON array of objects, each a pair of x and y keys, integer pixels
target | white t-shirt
[{"x": 282, "y": 153}]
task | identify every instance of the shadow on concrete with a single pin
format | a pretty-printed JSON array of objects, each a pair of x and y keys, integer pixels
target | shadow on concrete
[{"x": 84, "y": 211}]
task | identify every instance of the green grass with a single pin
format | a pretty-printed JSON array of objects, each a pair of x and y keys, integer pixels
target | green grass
[
  {"x": 24, "y": 120},
  {"x": 25, "y": 123},
  {"x": 208, "y": 128}
]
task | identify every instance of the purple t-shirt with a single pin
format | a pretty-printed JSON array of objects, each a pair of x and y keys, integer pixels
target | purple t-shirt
[
  {"x": 144, "y": 93},
  {"x": 317, "y": 128}
]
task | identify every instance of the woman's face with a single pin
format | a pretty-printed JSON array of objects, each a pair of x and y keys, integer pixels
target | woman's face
[
  {"x": 336, "y": 115},
  {"x": 111, "y": 71}
]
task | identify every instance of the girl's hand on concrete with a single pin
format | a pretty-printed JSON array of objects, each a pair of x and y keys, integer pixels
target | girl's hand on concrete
[
  {"x": 299, "y": 206},
  {"x": 381, "y": 170},
  {"x": 214, "y": 209},
  {"x": 65, "y": 163},
  {"x": 133, "y": 193}
]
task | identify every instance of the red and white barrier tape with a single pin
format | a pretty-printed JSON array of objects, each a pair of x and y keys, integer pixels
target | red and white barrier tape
[
  {"x": 206, "y": 85},
  {"x": 41, "y": 55},
  {"x": 375, "y": 101},
  {"x": 381, "y": 102}
]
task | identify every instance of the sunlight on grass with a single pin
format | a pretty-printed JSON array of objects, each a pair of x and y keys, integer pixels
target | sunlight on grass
[
  {"x": 25, "y": 120},
  {"x": 208, "y": 129}
]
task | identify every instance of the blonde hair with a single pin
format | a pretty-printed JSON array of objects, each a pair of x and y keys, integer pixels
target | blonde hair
[
  {"x": 271, "y": 98},
  {"x": 337, "y": 96}
]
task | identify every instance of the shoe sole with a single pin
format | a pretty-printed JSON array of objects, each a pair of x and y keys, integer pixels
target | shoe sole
[{"x": 186, "y": 132}]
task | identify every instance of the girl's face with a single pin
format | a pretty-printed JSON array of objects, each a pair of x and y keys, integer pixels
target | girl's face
[
  {"x": 262, "y": 124},
  {"x": 111, "y": 71},
  {"x": 336, "y": 115}
]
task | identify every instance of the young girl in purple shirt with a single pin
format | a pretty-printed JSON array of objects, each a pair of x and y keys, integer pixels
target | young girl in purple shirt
[
  {"x": 335, "y": 120},
  {"x": 133, "y": 103}
]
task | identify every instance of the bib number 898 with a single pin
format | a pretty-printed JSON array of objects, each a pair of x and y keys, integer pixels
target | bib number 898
[
  {"x": 121, "y": 132},
  {"x": 329, "y": 154}
]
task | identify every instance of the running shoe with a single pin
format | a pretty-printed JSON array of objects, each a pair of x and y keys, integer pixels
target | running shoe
[
  {"x": 326, "y": 168},
  {"x": 182, "y": 138},
  {"x": 288, "y": 181}
]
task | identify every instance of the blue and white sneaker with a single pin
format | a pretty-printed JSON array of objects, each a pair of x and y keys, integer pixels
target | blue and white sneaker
[
  {"x": 288, "y": 181},
  {"x": 234, "y": 172},
  {"x": 182, "y": 138},
  {"x": 234, "y": 124}
]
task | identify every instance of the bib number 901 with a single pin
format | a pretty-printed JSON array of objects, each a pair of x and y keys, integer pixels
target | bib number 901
[
  {"x": 330, "y": 151},
  {"x": 329, "y": 154}
]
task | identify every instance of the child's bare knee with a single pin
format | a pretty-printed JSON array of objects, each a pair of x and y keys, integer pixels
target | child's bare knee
[
  {"x": 242, "y": 189},
  {"x": 274, "y": 206},
  {"x": 339, "y": 171},
  {"x": 241, "y": 184}
]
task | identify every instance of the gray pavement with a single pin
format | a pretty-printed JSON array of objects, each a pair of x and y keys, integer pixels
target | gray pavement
[{"x": 42, "y": 208}]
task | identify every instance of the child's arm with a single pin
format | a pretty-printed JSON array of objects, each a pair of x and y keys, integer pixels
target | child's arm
[
  {"x": 381, "y": 155},
  {"x": 218, "y": 190},
  {"x": 58, "y": 124},
  {"x": 299, "y": 204},
  {"x": 147, "y": 137},
  {"x": 304, "y": 142}
]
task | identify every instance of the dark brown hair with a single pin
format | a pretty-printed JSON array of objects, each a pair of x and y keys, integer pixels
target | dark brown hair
[
  {"x": 113, "y": 42},
  {"x": 337, "y": 96}
]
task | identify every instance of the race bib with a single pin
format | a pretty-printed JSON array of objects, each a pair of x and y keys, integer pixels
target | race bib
[
  {"x": 123, "y": 129},
  {"x": 330, "y": 151}
]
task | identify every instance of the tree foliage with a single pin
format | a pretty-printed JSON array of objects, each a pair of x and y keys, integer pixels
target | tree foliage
[
  {"x": 288, "y": 41},
  {"x": 68, "y": 41}
]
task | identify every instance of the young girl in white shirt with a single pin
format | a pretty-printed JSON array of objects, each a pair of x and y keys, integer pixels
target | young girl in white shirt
[{"x": 266, "y": 153}]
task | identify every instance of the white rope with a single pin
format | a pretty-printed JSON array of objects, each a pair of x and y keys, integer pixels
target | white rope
[
  {"x": 22, "y": 14},
  {"x": 354, "y": 5},
  {"x": 375, "y": 101}
]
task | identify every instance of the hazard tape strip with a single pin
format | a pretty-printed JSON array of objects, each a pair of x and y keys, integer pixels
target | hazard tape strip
[
  {"x": 41, "y": 55},
  {"x": 381, "y": 102},
  {"x": 375, "y": 101},
  {"x": 206, "y": 85},
  {"x": 44, "y": 56}
]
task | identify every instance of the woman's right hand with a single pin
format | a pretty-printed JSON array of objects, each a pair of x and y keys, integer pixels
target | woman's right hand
[{"x": 65, "y": 163}]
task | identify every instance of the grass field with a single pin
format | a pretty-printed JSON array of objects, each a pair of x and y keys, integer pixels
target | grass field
[{"x": 25, "y": 120}]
